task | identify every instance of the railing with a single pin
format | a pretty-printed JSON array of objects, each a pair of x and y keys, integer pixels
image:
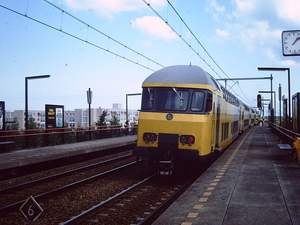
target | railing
[
  {"x": 285, "y": 135},
  {"x": 34, "y": 138}
]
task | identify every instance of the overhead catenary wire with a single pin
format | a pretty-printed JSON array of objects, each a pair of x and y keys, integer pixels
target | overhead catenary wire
[
  {"x": 126, "y": 48},
  {"x": 86, "y": 39},
  {"x": 185, "y": 41},
  {"x": 206, "y": 53}
]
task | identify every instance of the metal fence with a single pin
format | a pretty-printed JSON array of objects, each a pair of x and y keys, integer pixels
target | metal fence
[
  {"x": 34, "y": 138},
  {"x": 285, "y": 135}
]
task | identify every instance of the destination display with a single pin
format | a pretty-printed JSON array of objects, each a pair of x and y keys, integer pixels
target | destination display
[{"x": 54, "y": 116}]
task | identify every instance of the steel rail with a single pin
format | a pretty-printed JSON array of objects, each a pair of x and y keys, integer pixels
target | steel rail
[
  {"x": 63, "y": 188},
  {"x": 160, "y": 209},
  {"x": 61, "y": 174},
  {"x": 95, "y": 209}
]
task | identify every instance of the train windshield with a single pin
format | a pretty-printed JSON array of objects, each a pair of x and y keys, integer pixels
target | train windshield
[
  {"x": 176, "y": 99},
  {"x": 172, "y": 99}
]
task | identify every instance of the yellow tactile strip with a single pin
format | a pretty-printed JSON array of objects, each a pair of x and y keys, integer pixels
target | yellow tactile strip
[{"x": 205, "y": 196}]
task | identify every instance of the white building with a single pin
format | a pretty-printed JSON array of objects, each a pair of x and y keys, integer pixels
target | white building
[
  {"x": 133, "y": 116},
  {"x": 37, "y": 115},
  {"x": 75, "y": 118}
]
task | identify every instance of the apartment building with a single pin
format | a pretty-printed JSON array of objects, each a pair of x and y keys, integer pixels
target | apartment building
[
  {"x": 37, "y": 115},
  {"x": 75, "y": 118}
]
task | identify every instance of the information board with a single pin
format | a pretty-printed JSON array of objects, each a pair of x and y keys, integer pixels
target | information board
[
  {"x": 54, "y": 116},
  {"x": 2, "y": 115}
]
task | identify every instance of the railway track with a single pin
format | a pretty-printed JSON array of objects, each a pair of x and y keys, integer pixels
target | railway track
[
  {"x": 49, "y": 178},
  {"x": 86, "y": 215},
  {"x": 65, "y": 202},
  {"x": 140, "y": 204},
  {"x": 61, "y": 180},
  {"x": 108, "y": 197}
]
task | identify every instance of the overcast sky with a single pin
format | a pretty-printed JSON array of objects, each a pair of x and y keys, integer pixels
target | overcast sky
[{"x": 239, "y": 36}]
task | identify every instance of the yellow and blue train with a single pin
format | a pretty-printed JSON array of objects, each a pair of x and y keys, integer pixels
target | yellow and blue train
[{"x": 187, "y": 116}]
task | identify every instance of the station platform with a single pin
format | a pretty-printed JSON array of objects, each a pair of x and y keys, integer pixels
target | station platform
[
  {"x": 27, "y": 157},
  {"x": 252, "y": 182}
]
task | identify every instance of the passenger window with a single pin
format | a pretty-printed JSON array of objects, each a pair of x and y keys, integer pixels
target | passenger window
[{"x": 197, "y": 101}]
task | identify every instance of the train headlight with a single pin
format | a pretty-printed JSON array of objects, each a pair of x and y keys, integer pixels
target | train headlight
[
  {"x": 149, "y": 137},
  {"x": 187, "y": 139}
]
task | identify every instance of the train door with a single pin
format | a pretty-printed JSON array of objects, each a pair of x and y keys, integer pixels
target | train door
[
  {"x": 218, "y": 109},
  {"x": 241, "y": 120},
  {"x": 213, "y": 126}
]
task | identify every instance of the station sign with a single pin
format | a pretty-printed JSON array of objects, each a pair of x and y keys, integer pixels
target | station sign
[
  {"x": 54, "y": 116},
  {"x": 31, "y": 209},
  {"x": 2, "y": 115}
]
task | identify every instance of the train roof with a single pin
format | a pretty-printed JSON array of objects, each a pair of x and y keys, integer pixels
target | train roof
[{"x": 183, "y": 74}]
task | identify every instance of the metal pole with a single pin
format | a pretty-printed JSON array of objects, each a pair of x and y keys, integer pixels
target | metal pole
[
  {"x": 126, "y": 107},
  {"x": 26, "y": 103},
  {"x": 279, "y": 98},
  {"x": 127, "y": 103},
  {"x": 89, "y": 100},
  {"x": 26, "y": 113},
  {"x": 289, "y": 90},
  {"x": 90, "y": 134},
  {"x": 272, "y": 110},
  {"x": 274, "y": 106}
]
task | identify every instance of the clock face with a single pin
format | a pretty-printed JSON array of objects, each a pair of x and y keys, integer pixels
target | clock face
[{"x": 291, "y": 42}]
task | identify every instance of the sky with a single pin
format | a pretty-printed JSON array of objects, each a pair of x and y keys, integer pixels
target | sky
[{"x": 111, "y": 46}]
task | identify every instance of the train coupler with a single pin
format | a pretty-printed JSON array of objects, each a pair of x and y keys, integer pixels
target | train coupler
[{"x": 165, "y": 168}]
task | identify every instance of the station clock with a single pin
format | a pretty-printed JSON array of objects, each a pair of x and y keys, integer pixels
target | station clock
[{"x": 290, "y": 42}]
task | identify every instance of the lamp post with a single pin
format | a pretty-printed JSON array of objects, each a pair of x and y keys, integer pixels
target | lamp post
[
  {"x": 289, "y": 87},
  {"x": 89, "y": 100},
  {"x": 26, "y": 95},
  {"x": 279, "y": 99},
  {"x": 26, "y": 102},
  {"x": 273, "y": 112},
  {"x": 127, "y": 103}
]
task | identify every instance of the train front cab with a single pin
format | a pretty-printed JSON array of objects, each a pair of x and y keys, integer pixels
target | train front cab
[
  {"x": 167, "y": 138},
  {"x": 175, "y": 126}
]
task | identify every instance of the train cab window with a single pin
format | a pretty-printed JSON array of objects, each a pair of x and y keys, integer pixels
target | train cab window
[
  {"x": 197, "y": 101},
  {"x": 147, "y": 98},
  {"x": 172, "y": 99}
]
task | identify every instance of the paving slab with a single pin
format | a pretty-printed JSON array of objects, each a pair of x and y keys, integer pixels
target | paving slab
[{"x": 253, "y": 182}]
